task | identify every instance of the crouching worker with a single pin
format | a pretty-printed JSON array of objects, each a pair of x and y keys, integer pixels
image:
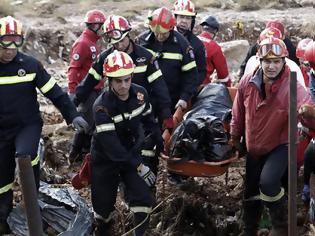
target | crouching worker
[
  {"x": 121, "y": 114},
  {"x": 20, "y": 119}
]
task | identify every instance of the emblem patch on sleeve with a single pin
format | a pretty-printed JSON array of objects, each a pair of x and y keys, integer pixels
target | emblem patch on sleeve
[
  {"x": 140, "y": 97},
  {"x": 156, "y": 65},
  {"x": 76, "y": 57},
  {"x": 191, "y": 54}
]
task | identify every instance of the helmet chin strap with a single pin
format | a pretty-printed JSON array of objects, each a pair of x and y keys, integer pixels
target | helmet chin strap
[
  {"x": 127, "y": 48},
  {"x": 181, "y": 30}
]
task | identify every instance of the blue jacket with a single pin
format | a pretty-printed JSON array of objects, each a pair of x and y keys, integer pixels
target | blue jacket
[
  {"x": 18, "y": 95},
  {"x": 120, "y": 126}
]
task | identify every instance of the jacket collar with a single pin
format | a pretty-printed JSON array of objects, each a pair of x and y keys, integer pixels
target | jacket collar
[
  {"x": 91, "y": 35},
  {"x": 206, "y": 35},
  {"x": 257, "y": 78}
]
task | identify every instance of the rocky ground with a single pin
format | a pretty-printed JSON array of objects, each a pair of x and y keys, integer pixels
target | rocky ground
[{"x": 202, "y": 206}]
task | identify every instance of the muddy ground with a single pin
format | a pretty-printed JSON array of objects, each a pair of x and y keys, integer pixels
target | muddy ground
[{"x": 202, "y": 206}]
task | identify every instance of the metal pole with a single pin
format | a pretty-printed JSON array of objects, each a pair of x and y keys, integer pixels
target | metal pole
[
  {"x": 28, "y": 186},
  {"x": 292, "y": 166}
]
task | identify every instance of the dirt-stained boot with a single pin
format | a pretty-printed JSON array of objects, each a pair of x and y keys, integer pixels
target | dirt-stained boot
[
  {"x": 278, "y": 211},
  {"x": 104, "y": 229},
  {"x": 251, "y": 216},
  {"x": 142, "y": 220}
]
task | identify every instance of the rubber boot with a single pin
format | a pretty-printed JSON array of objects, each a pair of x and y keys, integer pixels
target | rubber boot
[
  {"x": 143, "y": 219},
  {"x": 103, "y": 229},
  {"x": 251, "y": 216},
  {"x": 6, "y": 205},
  {"x": 76, "y": 147},
  {"x": 278, "y": 211}
]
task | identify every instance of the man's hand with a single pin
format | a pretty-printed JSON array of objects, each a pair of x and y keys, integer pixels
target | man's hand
[
  {"x": 80, "y": 124},
  {"x": 147, "y": 175},
  {"x": 235, "y": 142},
  {"x": 307, "y": 111},
  {"x": 181, "y": 103},
  {"x": 168, "y": 124}
]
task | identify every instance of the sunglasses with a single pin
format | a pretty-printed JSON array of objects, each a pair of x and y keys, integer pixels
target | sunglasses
[
  {"x": 276, "y": 50},
  {"x": 11, "y": 41},
  {"x": 114, "y": 34}
]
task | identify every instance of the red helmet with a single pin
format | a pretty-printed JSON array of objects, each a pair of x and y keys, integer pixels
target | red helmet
[
  {"x": 310, "y": 53},
  {"x": 272, "y": 48},
  {"x": 118, "y": 64},
  {"x": 184, "y": 8},
  {"x": 270, "y": 32},
  {"x": 276, "y": 24},
  {"x": 94, "y": 17},
  {"x": 116, "y": 28},
  {"x": 300, "y": 49},
  {"x": 161, "y": 20},
  {"x": 11, "y": 33}
]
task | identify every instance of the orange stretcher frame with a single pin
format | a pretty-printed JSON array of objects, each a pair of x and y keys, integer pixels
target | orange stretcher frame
[{"x": 193, "y": 168}]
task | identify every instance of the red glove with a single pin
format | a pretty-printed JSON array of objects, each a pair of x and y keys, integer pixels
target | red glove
[
  {"x": 83, "y": 178},
  {"x": 168, "y": 123}
]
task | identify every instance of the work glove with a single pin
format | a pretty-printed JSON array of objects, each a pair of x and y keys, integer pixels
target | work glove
[
  {"x": 307, "y": 111},
  {"x": 80, "y": 124},
  {"x": 168, "y": 124},
  {"x": 146, "y": 174},
  {"x": 306, "y": 194},
  {"x": 181, "y": 103}
]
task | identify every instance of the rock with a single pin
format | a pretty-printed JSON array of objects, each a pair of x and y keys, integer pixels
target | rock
[
  {"x": 235, "y": 52},
  {"x": 307, "y": 3}
]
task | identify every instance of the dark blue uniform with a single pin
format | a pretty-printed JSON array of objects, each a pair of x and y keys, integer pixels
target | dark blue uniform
[
  {"x": 20, "y": 118},
  {"x": 200, "y": 55},
  {"x": 177, "y": 61},
  {"x": 147, "y": 74},
  {"x": 116, "y": 151}
]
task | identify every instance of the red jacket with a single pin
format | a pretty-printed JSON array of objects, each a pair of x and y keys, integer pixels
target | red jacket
[
  {"x": 215, "y": 59},
  {"x": 264, "y": 122},
  {"x": 84, "y": 51},
  {"x": 305, "y": 71}
]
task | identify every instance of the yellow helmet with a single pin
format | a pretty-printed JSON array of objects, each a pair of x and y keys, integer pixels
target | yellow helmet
[
  {"x": 11, "y": 34},
  {"x": 184, "y": 8},
  {"x": 118, "y": 64}
]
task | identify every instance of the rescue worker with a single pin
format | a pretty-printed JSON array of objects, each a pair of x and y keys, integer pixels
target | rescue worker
[
  {"x": 119, "y": 116},
  {"x": 83, "y": 52},
  {"x": 176, "y": 58},
  {"x": 253, "y": 62},
  {"x": 260, "y": 113},
  {"x": 174, "y": 54},
  {"x": 215, "y": 58},
  {"x": 185, "y": 14},
  {"x": 147, "y": 74},
  {"x": 20, "y": 118},
  {"x": 253, "y": 49},
  {"x": 309, "y": 160},
  {"x": 300, "y": 51}
]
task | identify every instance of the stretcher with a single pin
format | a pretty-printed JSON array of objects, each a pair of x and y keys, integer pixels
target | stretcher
[{"x": 190, "y": 167}]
